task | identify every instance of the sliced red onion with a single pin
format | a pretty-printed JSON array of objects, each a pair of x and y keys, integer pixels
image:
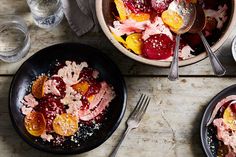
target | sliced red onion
[
  {"x": 107, "y": 98},
  {"x": 219, "y": 105}
]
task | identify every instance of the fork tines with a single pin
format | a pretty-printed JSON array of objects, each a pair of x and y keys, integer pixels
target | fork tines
[{"x": 141, "y": 106}]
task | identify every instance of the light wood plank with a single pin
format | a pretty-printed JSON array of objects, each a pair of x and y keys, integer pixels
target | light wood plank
[
  {"x": 170, "y": 127},
  {"x": 41, "y": 38}
]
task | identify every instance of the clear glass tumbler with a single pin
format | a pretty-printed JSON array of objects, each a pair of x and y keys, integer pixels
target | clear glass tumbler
[
  {"x": 46, "y": 13},
  {"x": 14, "y": 38}
]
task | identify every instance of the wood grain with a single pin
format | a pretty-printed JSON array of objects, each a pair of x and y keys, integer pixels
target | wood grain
[{"x": 170, "y": 127}]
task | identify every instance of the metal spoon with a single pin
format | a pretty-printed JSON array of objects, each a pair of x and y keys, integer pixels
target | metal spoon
[
  {"x": 197, "y": 27},
  {"x": 188, "y": 13}
]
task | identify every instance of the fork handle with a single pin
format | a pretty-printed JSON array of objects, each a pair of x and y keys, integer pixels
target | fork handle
[{"x": 113, "y": 154}]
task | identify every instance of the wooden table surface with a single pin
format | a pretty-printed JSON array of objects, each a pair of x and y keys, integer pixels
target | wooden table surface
[{"x": 170, "y": 127}]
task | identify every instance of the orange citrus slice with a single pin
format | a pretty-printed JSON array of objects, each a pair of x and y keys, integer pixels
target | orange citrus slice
[
  {"x": 35, "y": 123},
  {"x": 139, "y": 17},
  {"x": 134, "y": 42},
  {"x": 172, "y": 19},
  {"x": 120, "y": 6},
  {"x": 119, "y": 39},
  {"x": 38, "y": 87},
  {"x": 230, "y": 117},
  {"x": 81, "y": 87},
  {"x": 65, "y": 124},
  {"x": 90, "y": 98}
]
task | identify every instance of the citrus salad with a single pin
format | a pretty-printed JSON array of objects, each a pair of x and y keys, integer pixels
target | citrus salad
[
  {"x": 60, "y": 106},
  {"x": 144, "y": 27},
  {"x": 223, "y": 119}
]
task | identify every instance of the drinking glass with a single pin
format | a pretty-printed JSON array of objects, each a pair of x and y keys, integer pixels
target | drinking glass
[
  {"x": 14, "y": 38},
  {"x": 46, "y": 13}
]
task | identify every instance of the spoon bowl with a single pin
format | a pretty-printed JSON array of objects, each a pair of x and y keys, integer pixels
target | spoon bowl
[
  {"x": 200, "y": 21},
  {"x": 197, "y": 27},
  {"x": 188, "y": 13}
]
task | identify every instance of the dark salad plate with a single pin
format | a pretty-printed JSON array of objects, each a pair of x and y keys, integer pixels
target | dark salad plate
[
  {"x": 209, "y": 141},
  {"x": 42, "y": 62}
]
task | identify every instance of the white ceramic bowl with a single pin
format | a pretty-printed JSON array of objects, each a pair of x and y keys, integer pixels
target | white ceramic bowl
[
  {"x": 103, "y": 10},
  {"x": 233, "y": 48}
]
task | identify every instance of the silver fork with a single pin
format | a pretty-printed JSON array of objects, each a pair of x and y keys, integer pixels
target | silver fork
[{"x": 134, "y": 119}]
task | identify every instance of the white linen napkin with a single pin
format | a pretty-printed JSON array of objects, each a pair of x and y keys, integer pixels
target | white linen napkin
[{"x": 81, "y": 15}]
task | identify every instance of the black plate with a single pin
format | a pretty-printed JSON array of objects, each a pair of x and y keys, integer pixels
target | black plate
[
  {"x": 208, "y": 134},
  {"x": 40, "y": 63}
]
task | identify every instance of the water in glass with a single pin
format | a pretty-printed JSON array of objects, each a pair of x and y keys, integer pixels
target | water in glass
[
  {"x": 46, "y": 13},
  {"x": 14, "y": 38}
]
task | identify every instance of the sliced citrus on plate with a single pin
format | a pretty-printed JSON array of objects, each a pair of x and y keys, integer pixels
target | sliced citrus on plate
[
  {"x": 35, "y": 123},
  {"x": 65, "y": 124},
  {"x": 120, "y": 6},
  {"x": 81, "y": 87},
  {"x": 230, "y": 117},
  {"x": 134, "y": 42},
  {"x": 38, "y": 86},
  {"x": 139, "y": 17},
  {"x": 90, "y": 98},
  {"x": 120, "y": 39}
]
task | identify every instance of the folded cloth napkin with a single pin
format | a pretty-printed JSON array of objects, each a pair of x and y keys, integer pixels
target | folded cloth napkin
[{"x": 81, "y": 15}]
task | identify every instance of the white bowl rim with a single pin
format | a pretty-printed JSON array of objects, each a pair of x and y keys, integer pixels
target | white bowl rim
[
  {"x": 233, "y": 48},
  {"x": 158, "y": 63}
]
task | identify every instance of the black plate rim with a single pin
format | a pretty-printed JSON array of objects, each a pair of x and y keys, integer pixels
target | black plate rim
[
  {"x": 124, "y": 87},
  {"x": 206, "y": 117}
]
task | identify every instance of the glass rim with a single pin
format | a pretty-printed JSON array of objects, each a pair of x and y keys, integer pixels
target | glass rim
[
  {"x": 57, "y": 6},
  {"x": 12, "y": 22}
]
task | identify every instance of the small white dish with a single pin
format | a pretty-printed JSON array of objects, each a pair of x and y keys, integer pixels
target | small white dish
[{"x": 233, "y": 48}]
